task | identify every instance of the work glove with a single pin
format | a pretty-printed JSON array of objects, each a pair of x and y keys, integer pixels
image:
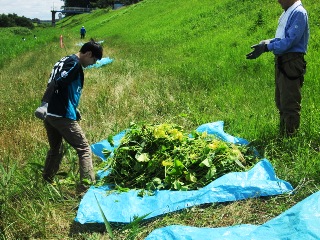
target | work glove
[
  {"x": 41, "y": 112},
  {"x": 258, "y": 50}
]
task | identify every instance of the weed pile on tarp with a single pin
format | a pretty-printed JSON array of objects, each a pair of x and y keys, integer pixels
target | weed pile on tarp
[{"x": 163, "y": 156}]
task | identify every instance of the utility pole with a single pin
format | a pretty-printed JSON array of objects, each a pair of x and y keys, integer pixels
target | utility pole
[{"x": 53, "y": 19}]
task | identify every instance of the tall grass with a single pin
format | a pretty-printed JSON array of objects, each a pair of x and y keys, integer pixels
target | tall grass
[{"x": 179, "y": 61}]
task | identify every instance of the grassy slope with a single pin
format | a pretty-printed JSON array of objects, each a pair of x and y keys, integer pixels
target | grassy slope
[
  {"x": 202, "y": 46},
  {"x": 174, "y": 61}
]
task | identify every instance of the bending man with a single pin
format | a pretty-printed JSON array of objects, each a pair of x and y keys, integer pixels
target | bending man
[{"x": 61, "y": 116}]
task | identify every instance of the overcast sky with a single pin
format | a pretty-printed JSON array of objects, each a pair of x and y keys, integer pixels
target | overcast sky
[{"x": 31, "y": 8}]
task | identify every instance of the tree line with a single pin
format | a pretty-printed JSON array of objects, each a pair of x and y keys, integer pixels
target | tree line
[
  {"x": 13, "y": 20},
  {"x": 96, "y": 3}
]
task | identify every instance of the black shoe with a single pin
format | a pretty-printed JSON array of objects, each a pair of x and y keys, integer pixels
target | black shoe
[
  {"x": 81, "y": 189},
  {"x": 48, "y": 179}
]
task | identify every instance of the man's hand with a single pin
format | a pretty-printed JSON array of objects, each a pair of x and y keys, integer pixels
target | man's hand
[
  {"x": 258, "y": 50},
  {"x": 78, "y": 115},
  {"x": 41, "y": 112}
]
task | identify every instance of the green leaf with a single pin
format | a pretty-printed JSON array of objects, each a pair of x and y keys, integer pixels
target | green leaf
[
  {"x": 106, "y": 153},
  {"x": 239, "y": 163},
  {"x": 191, "y": 178},
  {"x": 206, "y": 163},
  {"x": 110, "y": 140},
  {"x": 178, "y": 163},
  {"x": 177, "y": 184},
  {"x": 106, "y": 223},
  {"x": 136, "y": 221},
  {"x": 122, "y": 189},
  {"x": 157, "y": 181},
  {"x": 143, "y": 157},
  {"x": 211, "y": 172}
]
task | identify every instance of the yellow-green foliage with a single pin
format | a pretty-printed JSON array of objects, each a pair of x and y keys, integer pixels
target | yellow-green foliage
[{"x": 163, "y": 156}]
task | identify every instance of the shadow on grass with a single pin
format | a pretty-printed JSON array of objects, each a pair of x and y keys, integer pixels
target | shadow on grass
[{"x": 78, "y": 228}]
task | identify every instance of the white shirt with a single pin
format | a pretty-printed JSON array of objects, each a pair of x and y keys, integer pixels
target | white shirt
[{"x": 280, "y": 33}]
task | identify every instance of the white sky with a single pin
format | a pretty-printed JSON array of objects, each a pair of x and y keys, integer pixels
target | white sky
[{"x": 31, "y": 8}]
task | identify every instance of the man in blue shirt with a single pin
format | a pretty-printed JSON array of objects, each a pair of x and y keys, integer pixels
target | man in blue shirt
[
  {"x": 60, "y": 115},
  {"x": 289, "y": 47},
  {"x": 82, "y": 32}
]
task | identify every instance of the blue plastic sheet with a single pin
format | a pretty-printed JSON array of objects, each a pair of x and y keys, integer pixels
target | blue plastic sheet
[
  {"x": 301, "y": 222},
  {"x": 259, "y": 181},
  {"x": 216, "y": 128},
  {"x": 100, "y": 63},
  {"x": 104, "y": 144}
]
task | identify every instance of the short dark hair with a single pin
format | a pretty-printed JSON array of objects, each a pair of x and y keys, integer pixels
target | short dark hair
[{"x": 94, "y": 47}]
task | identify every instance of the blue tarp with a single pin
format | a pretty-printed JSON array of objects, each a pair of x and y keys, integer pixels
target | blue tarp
[
  {"x": 258, "y": 181},
  {"x": 301, "y": 222},
  {"x": 104, "y": 144},
  {"x": 100, "y": 63},
  {"x": 216, "y": 128},
  {"x": 261, "y": 180}
]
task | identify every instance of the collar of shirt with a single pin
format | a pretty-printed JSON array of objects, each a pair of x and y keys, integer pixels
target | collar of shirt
[{"x": 280, "y": 33}]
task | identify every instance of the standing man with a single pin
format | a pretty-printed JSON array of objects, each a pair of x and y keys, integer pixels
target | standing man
[
  {"x": 60, "y": 118},
  {"x": 289, "y": 47},
  {"x": 82, "y": 32}
]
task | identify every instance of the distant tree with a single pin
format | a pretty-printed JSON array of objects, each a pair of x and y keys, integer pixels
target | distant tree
[
  {"x": 101, "y": 3},
  {"x": 13, "y": 20},
  {"x": 23, "y": 22},
  {"x": 36, "y": 20},
  {"x": 77, "y": 3},
  {"x": 129, "y": 2},
  {"x": 6, "y": 21}
]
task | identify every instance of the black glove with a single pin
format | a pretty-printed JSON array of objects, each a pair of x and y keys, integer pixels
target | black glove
[
  {"x": 258, "y": 50},
  {"x": 78, "y": 115}
]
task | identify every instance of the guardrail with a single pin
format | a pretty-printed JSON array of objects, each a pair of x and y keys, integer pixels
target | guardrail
[{"x": 75, "y": 10}]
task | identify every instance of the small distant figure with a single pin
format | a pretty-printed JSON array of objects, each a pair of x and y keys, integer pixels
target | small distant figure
[
  {"x": 82, "y": 32},
  {"x": 23, "y": 38},
  {"x": 35, "y": 37}
]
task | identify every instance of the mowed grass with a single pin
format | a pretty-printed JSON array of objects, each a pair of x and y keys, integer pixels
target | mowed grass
[{"x": 176, "y": 61}]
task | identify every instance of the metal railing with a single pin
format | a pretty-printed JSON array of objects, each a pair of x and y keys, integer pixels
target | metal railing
[{"x": 75, "y": 10}]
